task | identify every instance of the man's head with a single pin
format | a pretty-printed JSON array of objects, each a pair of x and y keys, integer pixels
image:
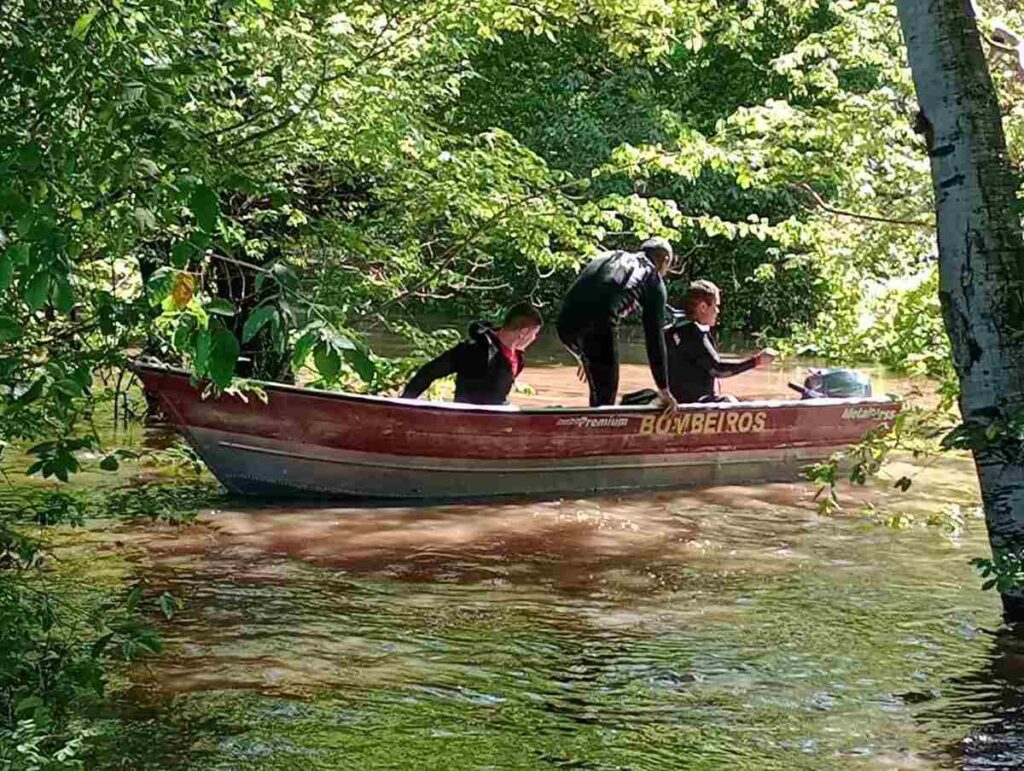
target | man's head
[
  {"x": 658, "y": 251},
  {"x": 520, "y": 326},
  {"x": 702, "y": 302}
]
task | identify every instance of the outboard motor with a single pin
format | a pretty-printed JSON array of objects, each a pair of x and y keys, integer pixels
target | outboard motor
[{"x": 834, "y": 384}]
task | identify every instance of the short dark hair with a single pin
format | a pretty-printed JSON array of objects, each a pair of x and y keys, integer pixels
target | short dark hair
[
  {"x": 522, "y": 315},
  {"x": 658, "y": 246},
  {"x": 698, "y": 291}
]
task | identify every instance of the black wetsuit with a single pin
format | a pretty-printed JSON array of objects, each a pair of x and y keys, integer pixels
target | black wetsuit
[
  {"x": 694, "y": 365},
  {"x": 610, "y": 288},
  {"x": 483, "y": 374}
]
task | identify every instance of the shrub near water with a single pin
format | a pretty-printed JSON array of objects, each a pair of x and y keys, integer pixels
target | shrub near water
[{"x": 68, "y": 616}]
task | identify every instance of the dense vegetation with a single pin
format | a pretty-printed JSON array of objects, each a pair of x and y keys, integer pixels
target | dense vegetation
[
  {"x": 241, "y": 186},
  {"x": 204, "y": 180}
]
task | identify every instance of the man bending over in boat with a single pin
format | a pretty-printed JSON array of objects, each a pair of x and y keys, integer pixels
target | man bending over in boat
[
  {"x": 485, "y": 365},
  {"x": 694, "y": 366},
  {"x": 608, "y": 289}
]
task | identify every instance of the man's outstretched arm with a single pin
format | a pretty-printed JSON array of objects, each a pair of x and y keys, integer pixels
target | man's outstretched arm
[
  {"x": 437, "y": 368},
  {"x": 719, "y": 368}
]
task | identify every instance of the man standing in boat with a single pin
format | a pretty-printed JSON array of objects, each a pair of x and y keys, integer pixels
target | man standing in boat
[
  {"x": 609, "y": 288},
  {"x": 486, "y": 365},
  {"x": 694, "y": 366}
]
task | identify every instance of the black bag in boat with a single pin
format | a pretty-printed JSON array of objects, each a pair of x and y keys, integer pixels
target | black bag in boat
[
  {"x": 643, "y": 396},
  {"x": 834, "y": 384}
]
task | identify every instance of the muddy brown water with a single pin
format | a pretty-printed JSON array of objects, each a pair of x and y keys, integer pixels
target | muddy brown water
[{"x": 729, "y": 626}]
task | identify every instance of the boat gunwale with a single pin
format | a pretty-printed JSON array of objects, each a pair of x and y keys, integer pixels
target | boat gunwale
[{"x": 510, "y": 409}]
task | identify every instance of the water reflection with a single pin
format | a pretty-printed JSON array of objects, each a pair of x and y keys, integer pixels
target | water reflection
[
  {"x": 726, "y": 626},
  {"x": 985, "y": 707}
]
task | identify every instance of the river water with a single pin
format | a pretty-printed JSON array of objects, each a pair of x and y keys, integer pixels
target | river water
[{"x": 710, "y": 628}]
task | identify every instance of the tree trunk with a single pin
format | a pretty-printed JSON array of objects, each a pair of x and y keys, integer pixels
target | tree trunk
[{"x": 981, "y": 253}]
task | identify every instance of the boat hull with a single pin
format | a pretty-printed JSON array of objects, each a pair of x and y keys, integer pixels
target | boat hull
[{"x": 326, "y": 444}]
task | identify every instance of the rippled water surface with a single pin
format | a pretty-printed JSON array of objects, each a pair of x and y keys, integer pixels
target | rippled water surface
[{"x": 712, "y": 628}]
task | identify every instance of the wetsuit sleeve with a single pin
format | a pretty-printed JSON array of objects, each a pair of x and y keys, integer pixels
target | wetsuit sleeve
[
  {"x": 442, "y": 366},
  {"x": 673, "y": 316},
  {"x": 709, "y": 359},
  {"x": 653, "y": 303}
]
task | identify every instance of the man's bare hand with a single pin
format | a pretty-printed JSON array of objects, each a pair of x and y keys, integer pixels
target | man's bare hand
[
  {"x": 581, "y": 373},
  {"x": 667, "y": 402}
]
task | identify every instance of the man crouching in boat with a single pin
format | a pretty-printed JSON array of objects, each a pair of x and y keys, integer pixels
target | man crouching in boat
[
  {"x": 608, "y": 289},
  {"x": 485, "y": 365},
  {"x": 694, "y": 366}
]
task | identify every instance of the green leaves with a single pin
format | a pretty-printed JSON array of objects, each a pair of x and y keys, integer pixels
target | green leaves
[
  {"x": 32, "y": 393},
  {"x": 205, "y": 207},
  {"x": 37, "y": 290},
  {"x": 63, "y": 296},
  {"x": 223, "y": 354},
  {"x": 82, "y": 24},
  {"x": 1004, "y": 572},
  {"x": 6, "y": 272},
  {"x": 220, "y": 307},
  {"x": 328, "y": 362},
  {"x": 30, "y": 156},
  {"x": 204, "y": 343},
  {"x": 303, "y": 347},
  {"x": 181, "y": 253},
  {"x": 215, "y": 353},
  {"x": 169, "y": 604},
  {"x": 362, "y": 364},
  {"x": 57, "y": 458},
  {"x": 145, "y": 219},
  {"x": 10, "y": 329},
  {"x": 333, "y": 351},
  {"x": 256, "y": 321}
]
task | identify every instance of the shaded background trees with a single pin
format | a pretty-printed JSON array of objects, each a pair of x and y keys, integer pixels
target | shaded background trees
[{"x": 260, "y": 179}]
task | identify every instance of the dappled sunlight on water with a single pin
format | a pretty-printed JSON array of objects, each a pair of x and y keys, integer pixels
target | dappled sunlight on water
[{"x": 722, "y": 626}]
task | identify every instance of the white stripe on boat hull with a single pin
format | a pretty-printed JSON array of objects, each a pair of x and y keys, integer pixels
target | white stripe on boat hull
[{"x": 256, "y": 465}]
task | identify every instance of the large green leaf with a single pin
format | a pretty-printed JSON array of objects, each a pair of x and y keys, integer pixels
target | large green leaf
[
  {"x": 220, "y": 307},
  {"x": 181, "y": 253},
  {"x": 6, "y": 271},
  {"x": 256, "y": 320},
  {"x": 10, "y": 329},
  {"x": 30, "y": 156},
  {"x": 63, "y": 296},
  {"x": 328, "y": 362},
  {"x": 34, "y": 392},
  {"x": 361, "y": 363},
  {"x": 224, "y": 350},
  {"x": 303, "y": 346},
  {"x": 145, "y": 219},
  {"x": 69, "y": 386},
  {"x": 37, "y": 290},
  {"x": 20, "y": 254},
  {"x": 204, "y": 342},
  {"x": 205, "y": 207},
  {"x": 82, "y": 24},
  {"x": 183, "y": 335}
]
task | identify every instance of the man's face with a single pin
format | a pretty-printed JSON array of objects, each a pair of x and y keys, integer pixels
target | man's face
[
  {"x": 526, "y": 336},
  {"x": 706, "y": 311}
]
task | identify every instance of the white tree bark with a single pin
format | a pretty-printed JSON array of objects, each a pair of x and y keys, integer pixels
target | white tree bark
[{"x": 981, "y": 250}]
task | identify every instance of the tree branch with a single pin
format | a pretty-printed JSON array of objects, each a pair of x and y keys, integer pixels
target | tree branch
[
  {"x": 820, "y": 203},
  {"x": 376, "y": 50}
]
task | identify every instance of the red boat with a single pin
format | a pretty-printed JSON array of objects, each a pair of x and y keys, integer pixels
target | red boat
[{"x": 327, "y": 443}]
